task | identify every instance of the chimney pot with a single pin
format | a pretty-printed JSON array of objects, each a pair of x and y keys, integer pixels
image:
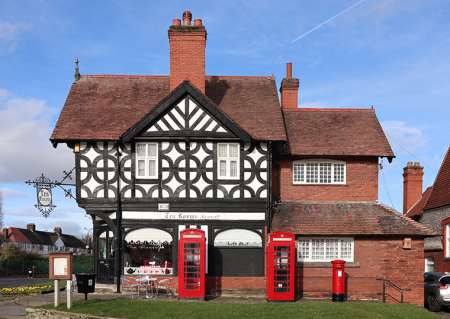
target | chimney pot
[
  {"x": 187, "y": 53},
  {"x": 176, "y": 22},
  {"x": 31, "y": 227},
  {"x": 289, "y": 70},
  {"x": 187, "y": 17},
  {"x": 289, "y": 90}
]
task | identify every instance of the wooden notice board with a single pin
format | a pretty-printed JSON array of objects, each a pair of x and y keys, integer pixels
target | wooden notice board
[{"x": 60, "y": 267}]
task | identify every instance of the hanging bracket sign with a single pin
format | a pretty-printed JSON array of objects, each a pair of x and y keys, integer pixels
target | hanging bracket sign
[{"x": 44, "y": 194}]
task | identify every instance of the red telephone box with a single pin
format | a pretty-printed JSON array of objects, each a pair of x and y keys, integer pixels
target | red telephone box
[
  {"x": 191, "y": 263},
  {"x": 280, "y": 263},
  {"x": 338, "y": 292}
]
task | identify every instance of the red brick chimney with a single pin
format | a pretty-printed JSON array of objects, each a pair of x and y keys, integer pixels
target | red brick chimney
[
  {"x": 187, "y": 52},
  {"x": 289, "y": 90},
  {"x": 57, "y": 230},
  {"x": 31, "y": 227},
  {"x": 412, "y": 184}
]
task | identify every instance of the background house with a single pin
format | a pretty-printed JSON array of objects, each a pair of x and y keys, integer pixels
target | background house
[
  {"x": 41, "y": 242},
  {"x": 431, "y": 208}
]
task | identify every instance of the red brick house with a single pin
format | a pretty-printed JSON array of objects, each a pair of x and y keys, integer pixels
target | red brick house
[
  {"x": 158, "y": 154},
  {"x": 40, "y": 242},
  {"x": 432, "y": 209}
]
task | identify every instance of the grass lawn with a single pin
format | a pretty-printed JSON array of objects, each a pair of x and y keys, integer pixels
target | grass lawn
[{"x": 126, "y": 308}]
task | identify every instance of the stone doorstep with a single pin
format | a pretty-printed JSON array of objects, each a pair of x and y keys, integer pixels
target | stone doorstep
[{"x": 39, "y": 313}]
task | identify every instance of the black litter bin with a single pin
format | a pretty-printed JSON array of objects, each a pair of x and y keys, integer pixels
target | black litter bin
[{"x": 85, "y": 284}]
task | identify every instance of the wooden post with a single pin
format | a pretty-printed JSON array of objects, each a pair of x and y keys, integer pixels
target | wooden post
[
  {"x": 56, "y": 288},
  {"x": 69, "y": 293}
]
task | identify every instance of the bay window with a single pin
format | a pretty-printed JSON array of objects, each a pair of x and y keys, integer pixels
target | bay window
[
  {"x": 325, "y": 249},
  {"x": 318, "y": 172},
  {"x": 228, "y": 160},
  {"x": 146, "y": 160}
]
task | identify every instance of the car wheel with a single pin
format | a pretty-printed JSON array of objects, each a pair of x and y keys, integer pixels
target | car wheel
[{"x": 433, "y": 304}]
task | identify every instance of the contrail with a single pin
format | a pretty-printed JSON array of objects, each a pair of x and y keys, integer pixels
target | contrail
[{"x": 328, "y": 20}]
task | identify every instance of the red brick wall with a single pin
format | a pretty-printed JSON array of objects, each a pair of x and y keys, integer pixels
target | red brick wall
[
  {"x": 441, "y": 263},
  {"x": 187, "y": 57},
  {"x": 362, "y": 183},
  {"x": 374, "y": 258}
]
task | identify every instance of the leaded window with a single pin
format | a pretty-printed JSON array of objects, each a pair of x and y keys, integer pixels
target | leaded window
[
  {"x": 325, "y": 249},
  {"x": 318, "y": 172}
]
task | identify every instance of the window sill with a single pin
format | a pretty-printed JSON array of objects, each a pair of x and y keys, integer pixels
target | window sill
[{"x": 325, "y": 265}]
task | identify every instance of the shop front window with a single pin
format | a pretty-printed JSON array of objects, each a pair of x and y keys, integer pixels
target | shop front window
[
  {"x": 105, "y": 245},
  {"x": 148, "y": 251},
  {"x": 239, "y": 252}
]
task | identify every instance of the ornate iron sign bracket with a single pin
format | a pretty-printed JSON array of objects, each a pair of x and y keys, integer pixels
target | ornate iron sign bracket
[{"x": 44, "y": 195}]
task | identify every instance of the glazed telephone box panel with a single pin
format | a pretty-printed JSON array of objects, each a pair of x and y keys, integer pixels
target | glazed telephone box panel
[
  {"x": 280, "y": 264},
  {"x": 191, "y": 263}
]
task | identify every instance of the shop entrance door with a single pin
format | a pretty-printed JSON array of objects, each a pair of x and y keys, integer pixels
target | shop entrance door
[{"x": 191, "y": 264}]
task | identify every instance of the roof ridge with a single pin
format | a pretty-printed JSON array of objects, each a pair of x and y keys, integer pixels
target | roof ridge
[
  {"x": 294, "y": 202},
  {"x": 269, "y": 77},
  {"x": 124, "y": 76},
  {"x": 407, "y": 219},
  {"x": 333, "y": 109}
]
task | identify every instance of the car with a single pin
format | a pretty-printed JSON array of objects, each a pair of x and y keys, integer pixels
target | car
[{"x": 436, "y": 290}]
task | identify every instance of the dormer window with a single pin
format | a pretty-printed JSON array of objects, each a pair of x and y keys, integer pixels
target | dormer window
[
  {"x": 228, "y": 160},
  {"x": 147, "y": 160},
  {"x": 319, "y": 172}
]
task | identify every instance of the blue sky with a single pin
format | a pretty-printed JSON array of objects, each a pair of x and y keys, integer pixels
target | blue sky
[{"x": 392, "y": 54}]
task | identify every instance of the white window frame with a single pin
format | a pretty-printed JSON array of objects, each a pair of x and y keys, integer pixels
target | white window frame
[
  {"x": 146, "y": 158},
  {"x": 429, "y": 264},
  {"x": 228, "y": 160},
  {"x": 447, "y": 240},
  {"x": 324, "y": 259},
  {"x": 318, "y": 162}
]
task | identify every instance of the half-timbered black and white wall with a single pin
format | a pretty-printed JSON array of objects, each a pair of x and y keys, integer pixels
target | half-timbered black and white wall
[{"x": 186, "y": 167}]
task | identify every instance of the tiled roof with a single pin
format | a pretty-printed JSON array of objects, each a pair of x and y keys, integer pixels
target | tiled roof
[
  {"x": 330, "y": 131},
  {"x": 49, "y": 238},
  {"x": 103, "y": 107},
  {"x": 344, "y": 218},
  {"x": 417, "y": 209},
  {"x": 440, "y": 195}
]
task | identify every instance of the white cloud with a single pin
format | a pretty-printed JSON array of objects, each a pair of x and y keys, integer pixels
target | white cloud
[
  {"x": 10, "y": 32},
  {"x": 404, "y": 137},
  {"x": 26, "y": 151}
]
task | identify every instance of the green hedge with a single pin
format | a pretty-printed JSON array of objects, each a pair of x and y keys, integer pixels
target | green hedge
[{"x": 19, "y": 265}]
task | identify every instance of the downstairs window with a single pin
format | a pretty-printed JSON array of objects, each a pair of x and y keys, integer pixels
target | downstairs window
[{"x": 325, "y": 249}]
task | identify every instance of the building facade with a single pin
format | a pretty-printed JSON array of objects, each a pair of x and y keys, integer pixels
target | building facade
[
  {"x": 432, "y": 209},
  {"x": 155, "y": 155},
  {"x": 39, "y": 242}
]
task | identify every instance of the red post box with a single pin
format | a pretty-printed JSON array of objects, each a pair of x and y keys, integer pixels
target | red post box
[
  {"x": 338, "y": 292},
  {"x": 191, "y": 264},
  {"x": 280, "y": 267}
]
